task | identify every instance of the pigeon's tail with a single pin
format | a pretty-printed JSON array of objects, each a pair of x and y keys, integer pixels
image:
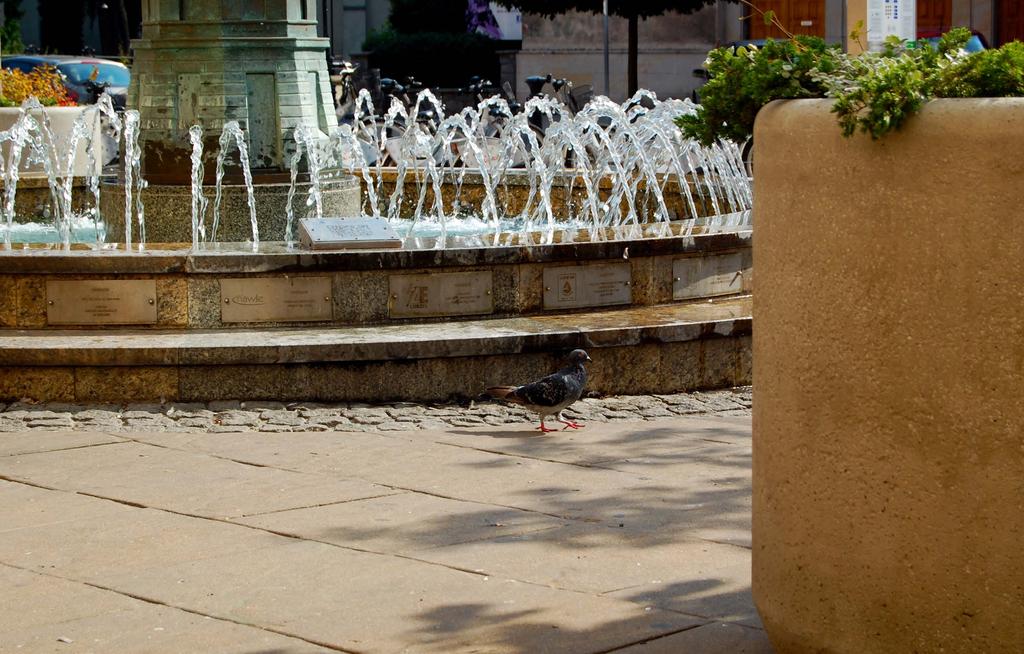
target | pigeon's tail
[{"x": 503, "y": 393}]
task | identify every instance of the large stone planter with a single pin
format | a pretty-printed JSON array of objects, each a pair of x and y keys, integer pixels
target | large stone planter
[
  {"x": 888, "y": 509},
  {"x": 34, "y": 200},
  {"x": 61, "y": 120}
]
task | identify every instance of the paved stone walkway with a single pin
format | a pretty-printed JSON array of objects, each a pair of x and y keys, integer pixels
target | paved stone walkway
[
  {"x": 279, "y": 417},
  {"x": 629, "y": 536}
]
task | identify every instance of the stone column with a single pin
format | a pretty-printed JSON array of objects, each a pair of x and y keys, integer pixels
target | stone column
[{"x": 208, "y": 62}]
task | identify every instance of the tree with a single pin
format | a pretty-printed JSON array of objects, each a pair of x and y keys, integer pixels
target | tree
[
  {"x": 60, "y": 27},
  {"x": 436, "y": 16},
  {"x": 429, "y": 40},
  {"x": 631, "y": 10},
  {"x": 10, "y": 33},
  {"x": 118, "y": 21}
]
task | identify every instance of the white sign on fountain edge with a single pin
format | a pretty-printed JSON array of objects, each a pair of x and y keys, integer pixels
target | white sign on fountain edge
[{"x": 347, "y": 233}]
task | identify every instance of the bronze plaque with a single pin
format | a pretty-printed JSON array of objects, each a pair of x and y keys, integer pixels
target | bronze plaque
[
  {"x": 441, "y": 294},
  {"x": 591, "y": 285},
  {"x": 275, "y": 299},
  {"x": 101, "y": 302},
  {"x": 708, "y": 276}
]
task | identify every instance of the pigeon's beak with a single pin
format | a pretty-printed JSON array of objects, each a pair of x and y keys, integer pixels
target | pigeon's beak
[{"x": 589, "y": 359}]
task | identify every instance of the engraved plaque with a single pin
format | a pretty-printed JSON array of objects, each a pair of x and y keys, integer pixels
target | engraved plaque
[
  {"x": 101, "y": 302},
  {"x": 441, "y": 294},
  {"x": 594, "y": 285},
  {"x": 708, "y": 276},
  {"x": 275, "y": 299},
  {"x": 341, "y": 233}
]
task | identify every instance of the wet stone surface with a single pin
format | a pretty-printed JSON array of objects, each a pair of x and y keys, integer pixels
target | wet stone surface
[{"x": 310, "y": 416}]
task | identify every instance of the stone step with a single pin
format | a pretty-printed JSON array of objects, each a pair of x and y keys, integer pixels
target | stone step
[{"x": 653, "y": 349}]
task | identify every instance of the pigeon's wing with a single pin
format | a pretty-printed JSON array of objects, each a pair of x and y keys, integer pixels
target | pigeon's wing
[
  {"x": 549, "y": 391},
  {"x": 503, "y": 392}
]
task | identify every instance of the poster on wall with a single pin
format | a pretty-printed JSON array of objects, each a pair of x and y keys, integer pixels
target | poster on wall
[
  {"x": 510, "y": 22},
  {"x": 891, "y": 18},
  {"x": 494, "y": 20}
]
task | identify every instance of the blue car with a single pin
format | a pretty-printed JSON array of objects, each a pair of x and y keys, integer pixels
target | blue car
[
  {"x": 976, "y": 43},
  {"x": 86, "y": 78}
]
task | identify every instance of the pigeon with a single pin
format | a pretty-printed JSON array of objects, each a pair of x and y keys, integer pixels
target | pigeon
[{"x": 552, "y": 394}]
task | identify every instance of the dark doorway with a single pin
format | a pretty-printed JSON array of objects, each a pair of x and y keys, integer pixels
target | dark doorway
[
  {"x": 797, "y": 16},
  {"x": 934, "y": 16},
  {"x": 1010, "y": 26}
]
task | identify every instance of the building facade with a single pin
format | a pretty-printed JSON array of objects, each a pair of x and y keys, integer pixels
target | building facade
[
  {"x": 673, "y": 45},
  {"x": 347, "y": 24},
  {"x": 570, "y": 46}
]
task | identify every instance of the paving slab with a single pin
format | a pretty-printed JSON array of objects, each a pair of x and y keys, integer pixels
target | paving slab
[
  {"x": 717, "y": 592},
  {"x": 377, "y": 603},
  {"x": 96, "y": 621},
  {"x": 26, "y": 507},
  {"x": 591, "y": 558},
  {"x": 620, "y": 537},
  {"x": 404, "y": 523},
  {"x": 714, "y": 638},
  {"x": 602, "y": 444},
  {"x": 28, "y": 442},
  {"x": 181, "y": 481},
  {"x": 507, "y": 543},
  {"x": 108, "y": 537},
  {"x": 711, "y": 501},
  {"x": 414, "y": 461},
  {"x": 30, "y": 600}
]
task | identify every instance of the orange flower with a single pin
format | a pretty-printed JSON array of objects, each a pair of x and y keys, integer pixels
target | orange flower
[{"x": 43, "y": 82}]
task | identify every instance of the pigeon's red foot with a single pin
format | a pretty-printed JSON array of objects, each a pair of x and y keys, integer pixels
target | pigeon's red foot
[
  {"x": 569, "y": 424},
  {"x": 545, "y": 429}
]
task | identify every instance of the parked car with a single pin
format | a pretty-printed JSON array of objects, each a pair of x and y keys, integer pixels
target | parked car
[
  {"x": 86, "y": 78},
  {"x": 976, "y": 43}
]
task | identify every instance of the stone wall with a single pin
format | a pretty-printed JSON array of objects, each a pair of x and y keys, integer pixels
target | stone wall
[{"x": 571, "y": 46}]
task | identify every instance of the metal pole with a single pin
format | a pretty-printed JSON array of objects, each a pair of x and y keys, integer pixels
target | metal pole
[
  {"x": 3, "y": 21},
  {"x": 607, "y": 78}
]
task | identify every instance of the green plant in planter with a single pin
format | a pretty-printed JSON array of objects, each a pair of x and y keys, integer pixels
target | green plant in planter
[
  {"x": 874, "y": 93},
  {"x": 744, "y": 79},
  {"x": 877, "y": 92},
  {"x": 986, "y": 74}
]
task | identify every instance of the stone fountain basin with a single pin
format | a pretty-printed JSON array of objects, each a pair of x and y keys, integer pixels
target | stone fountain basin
[
  {"x": 168, "y": 209},
  {"x": 664, "y": 311},
  {"x": 567, "y": 193},
  {"x": 188, "y": 281}
]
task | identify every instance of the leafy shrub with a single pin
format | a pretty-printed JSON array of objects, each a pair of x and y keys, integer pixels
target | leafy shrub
[
  {"x": 44, "y": 83},
  {"x": 10, "y": 37},
  {"x": 10, "y": 32},
  {"x": 878, "y": 93},
  {"x": 874, "y": 93},
  {"x": 747, "y": 78},
  {"x": 986, "y": 74}
]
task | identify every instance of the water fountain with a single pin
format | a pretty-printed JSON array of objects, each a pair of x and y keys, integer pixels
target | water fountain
[{"x": 605, "y": 230}]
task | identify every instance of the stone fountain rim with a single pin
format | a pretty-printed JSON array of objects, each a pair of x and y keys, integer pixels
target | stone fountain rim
[
  {"x": 276, "y": 257},
  {"x": 232, "y": 186}
]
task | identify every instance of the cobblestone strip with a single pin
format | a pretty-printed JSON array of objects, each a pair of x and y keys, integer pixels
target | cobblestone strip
[{"x": 311, "y": 416}]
